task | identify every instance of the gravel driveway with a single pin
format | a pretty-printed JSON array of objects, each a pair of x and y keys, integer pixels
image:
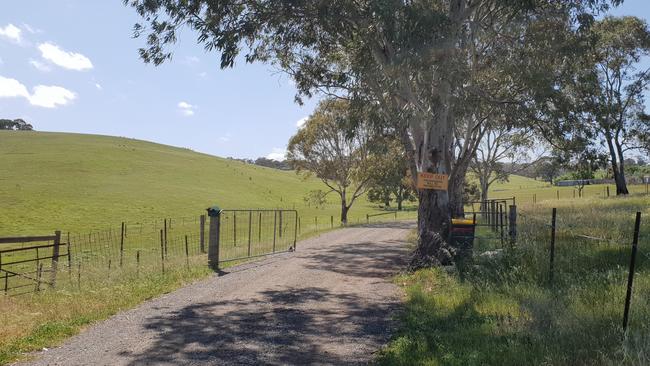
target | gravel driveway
[{"x": 330, "y": 302}]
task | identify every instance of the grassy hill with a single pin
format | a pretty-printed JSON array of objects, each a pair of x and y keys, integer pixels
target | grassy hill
[{"x": 75, "y": 182}]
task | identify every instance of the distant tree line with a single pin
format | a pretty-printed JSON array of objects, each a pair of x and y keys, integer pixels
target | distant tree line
[
  {"x": 266, "y": 162},
  {"x": 15, "y": 125}
]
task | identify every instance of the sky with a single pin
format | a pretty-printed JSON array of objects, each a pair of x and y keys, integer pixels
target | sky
[{"x": 73, "y": 66}]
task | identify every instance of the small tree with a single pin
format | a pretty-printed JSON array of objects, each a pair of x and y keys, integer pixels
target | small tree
[
  {"x": 336, "y": 148},
  {"x": 499, "y": 144},
  {"x": 390, "y": 177}
]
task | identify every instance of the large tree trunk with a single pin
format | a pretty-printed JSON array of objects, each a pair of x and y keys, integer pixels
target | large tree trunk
[
  {"x": 617, "y": 165},
  {"x": 456, "y": 190},
  {"x": 621, "y": 184},
  {"x": 344, "y": 210},
  {"x": 433, "y": 155}
]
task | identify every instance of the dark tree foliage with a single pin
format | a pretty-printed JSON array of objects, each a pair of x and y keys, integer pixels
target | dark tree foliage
[{"x": 16, "y": 124}]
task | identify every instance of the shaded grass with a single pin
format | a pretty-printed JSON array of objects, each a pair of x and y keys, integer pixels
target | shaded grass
[
  {"x": 44, "y": 319},
  {"x": 505, "y": 312}
]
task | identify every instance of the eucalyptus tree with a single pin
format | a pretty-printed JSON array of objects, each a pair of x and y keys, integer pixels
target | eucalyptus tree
[
  {"x": 613, "y": 87},
  {"x": 390, "y": 178},
  {"x": 335, "y": 150},
  {"x": 409, "y": 56},
  {"x": 500, "y": 146}
]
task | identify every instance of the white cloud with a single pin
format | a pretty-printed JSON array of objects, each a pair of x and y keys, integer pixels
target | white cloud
[
  {"x": 11, "y": 32},
  {"x": 51, "y": 96},
  {"x": 98, "y": 86},
  {"x": 225, "y": 138},
  {"x": 43, "y": 95},
  {"x": 12, "y": 88},
  {"x": 39, "y": 65},
  {"x": 186, "y": 109},
  {"x": 67, "y": 60},
  {"x": 278, "y": 154},
  {"x": 301, "y": 122}
]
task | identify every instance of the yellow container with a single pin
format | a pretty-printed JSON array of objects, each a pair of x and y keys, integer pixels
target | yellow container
[{"x": 462, "y": 222}]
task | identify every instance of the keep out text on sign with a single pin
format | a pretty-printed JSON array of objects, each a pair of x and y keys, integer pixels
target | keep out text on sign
[{"x": 439, "y": 182}]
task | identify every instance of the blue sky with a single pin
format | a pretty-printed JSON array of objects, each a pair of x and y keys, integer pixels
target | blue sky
[{"x": 72, "y": 66}]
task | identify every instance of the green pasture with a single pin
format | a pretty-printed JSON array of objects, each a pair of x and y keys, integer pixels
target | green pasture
[
  {"x": 506, "y": 311},
  {"x": 79, "y": 183}
]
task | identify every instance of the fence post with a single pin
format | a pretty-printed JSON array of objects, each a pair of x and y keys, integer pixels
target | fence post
[
  {"x": 187, "y": 254},
  {"x": 137, "y": 263},
  {"x": 501, "y": 223},
  {"x": 250, "y": 230},
  {"x": 55, "y": 257},
  {"x": 607, "y": 191},
  {"x": 494, "y": 215},
  {"x": 162, "y": 251},
  {"x": 275, "y": 227},
  {"x": 332, "y": 222},
  {"x": 202, "y": 233},
  {"x": 367, "y": 218},
  {"x": 552, "y": 259},
  {"x": 69, "y": 253},
  {"x": 38, "y": 277},
  {"x": 280, "y": 223},
  {"x": 122, "y": 245},
  {"x": 630, "y": 277},
  {"x": 259, "y": 228},
  {"x": 295, "y": 233},
  {"x": 165, "y": 237},
  {"x": 558, "y": 194},
  {"x": 213, "y": 237},
  {"x": 512, "y": 230}
]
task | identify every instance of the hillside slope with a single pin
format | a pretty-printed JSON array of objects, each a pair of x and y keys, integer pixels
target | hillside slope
[{"x": 81, "y": 182}]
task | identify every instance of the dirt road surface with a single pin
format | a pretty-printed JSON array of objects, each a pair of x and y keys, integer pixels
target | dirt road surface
[{"x": 330, "y": 302}]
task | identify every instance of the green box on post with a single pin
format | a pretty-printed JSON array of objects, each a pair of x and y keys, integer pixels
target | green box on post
[{"x": 214, "y": 211}]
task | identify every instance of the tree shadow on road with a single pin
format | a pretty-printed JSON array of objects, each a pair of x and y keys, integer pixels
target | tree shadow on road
[{"x": 289, "y": 326}]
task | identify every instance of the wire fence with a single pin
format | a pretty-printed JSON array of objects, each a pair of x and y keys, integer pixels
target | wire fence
[
  {"x": 159, "y": 245},
  {"x": 578, "y": 247}
]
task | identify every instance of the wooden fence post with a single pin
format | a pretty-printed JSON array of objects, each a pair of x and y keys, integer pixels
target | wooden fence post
[
  {"x": 295, "y": 233},
  {"x": 122, "y": 245},
  {"x": 259, "y": 228},
  {"x": 275, "y": 227},
  {"x": 512, "y": 229},
  {"x": 501, "y": 224},
  {"x": 213, "y": 237},
  {"x": 250, "y": 230},
  {"x": 165, "y": 237},
  {"x": 187, "y": 254},
  {"x": 552, "y": 259},
  {"x": 202, "y": 233},
  {"x": 630, "y": 276},
  {"x": 162, "y": 251},
  {"x": 55, "y": 257}
]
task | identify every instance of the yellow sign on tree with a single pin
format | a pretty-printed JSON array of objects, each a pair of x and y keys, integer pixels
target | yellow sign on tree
[{"x": 439, "y": 182}]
